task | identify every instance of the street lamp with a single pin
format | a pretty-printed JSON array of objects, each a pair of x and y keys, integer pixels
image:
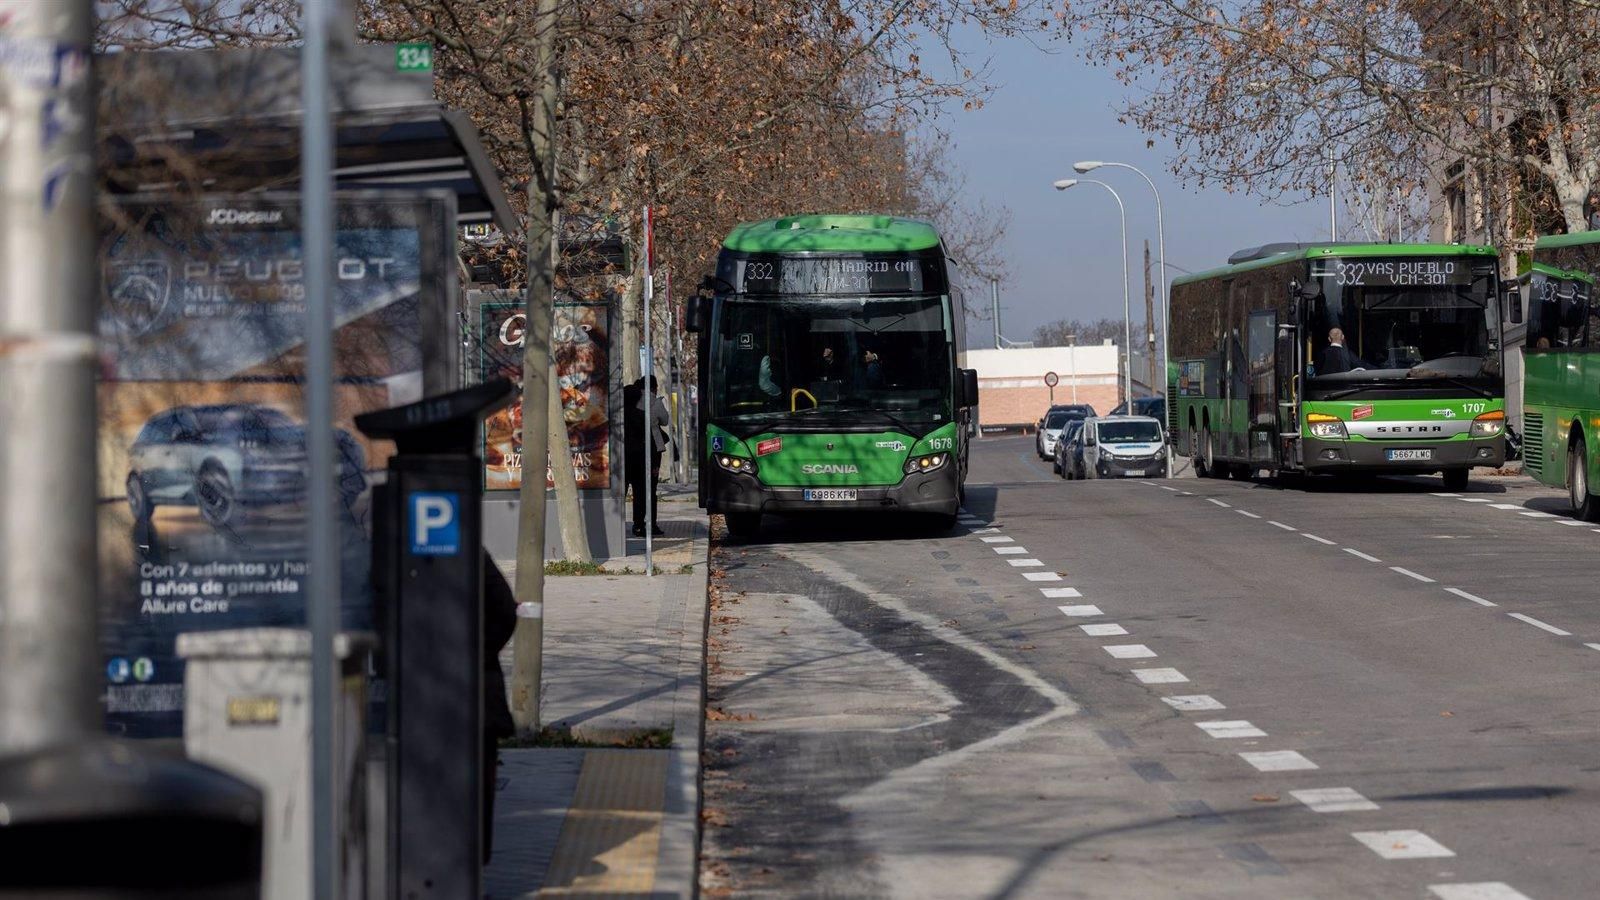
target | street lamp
[
  {"x": 1127, "y": 319},
  {"x": 1166, "y": 283}
]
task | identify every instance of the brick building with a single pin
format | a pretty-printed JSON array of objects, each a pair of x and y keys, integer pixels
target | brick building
[{"x": 1011, "y": 388}]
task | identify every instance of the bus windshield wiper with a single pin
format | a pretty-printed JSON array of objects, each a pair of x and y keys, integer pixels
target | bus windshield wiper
[{"x": 1483, "y": 392}]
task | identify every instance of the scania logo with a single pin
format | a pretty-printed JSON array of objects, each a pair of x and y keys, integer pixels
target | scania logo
[
  {"x": 229, "y": 216},
  {"x": 829, "y": 469},
  {"x": 1409, "y": 429}
]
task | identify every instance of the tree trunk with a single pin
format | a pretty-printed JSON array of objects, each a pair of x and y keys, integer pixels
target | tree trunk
[
  {"x": 536, "y": 381},
  {"x": 632, "y": 339},
  {"x": 569, "y": 513}
]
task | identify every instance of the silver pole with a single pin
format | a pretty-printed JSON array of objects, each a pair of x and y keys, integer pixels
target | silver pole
[
  {"x": 1166, "y": 285},
  {"x": 322, "y": 596},
  {"x": 649, "y": 404},
  {"x": 49, "y": 656},
  {"x": 1333, "y": 196},
  {"x": 994, "y": 295},
  {"x": 1127, "y": 317}
]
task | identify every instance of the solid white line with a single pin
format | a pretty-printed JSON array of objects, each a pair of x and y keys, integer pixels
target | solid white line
[
  {"x": 997, "y": 539},
  {"x": 1103, "y": 630},
  {"x": 1193, "y": 702},
  {"x": 1167, "y": 487},
  {"x": 1159, "y": 676},
  {"x": 1277, "y": 760},
  {"x": 1060, "y": 593},
  {"x": 1129, "y": 651},
  {"x": 1247, "y": 513},
  {"x": 1402, "y": 844},
  {"x": 1332, "y": 800},
  {"x": 1535, "y": 514},
  {"x": 1320, "y": 540},
  {"x": 1504, "y": 506},
  {"x": 1080, "y": 612},
  {"x": 1542, "y": 626},
  {"x": 1238, "y": 728},
  {"x": 1041, "y": 576},
  {"x": 1010, "y": 551},
  {"x": 1473, "y": 597},
  {"x": 1281, "y": 525},
  {"x": 1410, "y": 574},
  {"x": 1357, "y": 553},
  {"x": 1219, "y": 503},
  {"x": 1024, "y": 563},
  {"x": 1476, "y": 890}
]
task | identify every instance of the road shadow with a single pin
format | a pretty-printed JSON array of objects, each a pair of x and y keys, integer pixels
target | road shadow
[{"x": 1371, "y": 484}]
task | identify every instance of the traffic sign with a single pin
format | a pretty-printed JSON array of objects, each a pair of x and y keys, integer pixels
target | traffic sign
[
  {"x": 1051, "y": 379},
  {"x": 435, "y": 523}
]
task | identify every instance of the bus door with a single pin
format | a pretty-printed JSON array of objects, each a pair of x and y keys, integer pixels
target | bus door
[
  {"x": 1261, "y": 355},
  {"x": 1290, "y": 384}
]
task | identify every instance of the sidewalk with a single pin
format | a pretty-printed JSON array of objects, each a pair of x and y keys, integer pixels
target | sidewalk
[{"x": 624, "y": 659}]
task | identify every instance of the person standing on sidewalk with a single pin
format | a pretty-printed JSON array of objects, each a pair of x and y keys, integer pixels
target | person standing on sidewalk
[
  {"x": 499, "y": 622},
  {"x": 635, "y": 401}
]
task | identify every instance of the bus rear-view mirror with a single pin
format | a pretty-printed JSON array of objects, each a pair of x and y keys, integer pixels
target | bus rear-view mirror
[
  {"x": 693, "y": 313},
  {"x": 969, "y": 388},
  {"x": 1513, "y": 300}
]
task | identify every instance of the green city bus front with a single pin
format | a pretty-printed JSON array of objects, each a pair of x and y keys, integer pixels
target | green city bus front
[
  {"x": 1425, "y": 392},
  {"x": 832, "y": 402}
]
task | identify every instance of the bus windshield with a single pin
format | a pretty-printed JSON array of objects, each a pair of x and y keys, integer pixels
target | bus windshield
[
  {"x": 832, "y": 361},
  {"x": 1398, "y": 333}
]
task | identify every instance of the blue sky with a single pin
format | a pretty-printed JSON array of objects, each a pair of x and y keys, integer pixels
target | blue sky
[{"x": 1048, "y": 111}]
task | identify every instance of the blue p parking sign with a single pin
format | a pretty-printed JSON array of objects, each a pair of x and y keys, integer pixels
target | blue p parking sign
[{"x": 433, "y": 522}]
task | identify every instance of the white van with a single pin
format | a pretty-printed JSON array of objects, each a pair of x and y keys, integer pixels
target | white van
[{"x": 1123, "y": 447}]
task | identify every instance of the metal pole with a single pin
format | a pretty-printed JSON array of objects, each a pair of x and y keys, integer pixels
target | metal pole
[
  {"x": 649, "y": 403},
  {"x": 1333, "y": 196},
  {"x": 1072, "y": 342},
  {"x": 994, "y": 294},
  {"x": 1127, "y": 317},
  {"x": 322, "y": 532},
  {"x": 1166, "y": 285},
  {"x": 49, "y": 657}
]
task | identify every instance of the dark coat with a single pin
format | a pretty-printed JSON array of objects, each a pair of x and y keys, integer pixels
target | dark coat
[
  {"x": 499, "y": 621},
  {"x": 1335, "y": 359}
]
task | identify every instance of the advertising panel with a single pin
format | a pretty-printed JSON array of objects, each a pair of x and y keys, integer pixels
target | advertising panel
[
  {"x": 203, "y": 466},
  {"x": 580, "y": 344}
]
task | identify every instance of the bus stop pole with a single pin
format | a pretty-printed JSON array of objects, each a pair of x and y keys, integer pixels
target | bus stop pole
[
  {"x": 322, "y": 533},
  {"x": 647, "y": 397},
  {"x": 49, "y": 662}
]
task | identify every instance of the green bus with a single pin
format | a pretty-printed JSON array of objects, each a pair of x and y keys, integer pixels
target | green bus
[
  {"x": 830, "y": 349},
  {"x": 1415, "y": 385},
  {"x": 1561, "y": 369}
]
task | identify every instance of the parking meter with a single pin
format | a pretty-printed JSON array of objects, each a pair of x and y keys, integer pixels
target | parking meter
[{"x": 428, "y": 586}]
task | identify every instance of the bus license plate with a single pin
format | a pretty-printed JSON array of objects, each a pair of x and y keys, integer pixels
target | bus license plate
[
  {"x": 831, "y": 494},
  {"x": 1405, "y": 455}
]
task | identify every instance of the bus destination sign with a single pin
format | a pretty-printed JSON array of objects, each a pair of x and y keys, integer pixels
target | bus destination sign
[
  {"x": 830, "y": 275},
  {"x": 1396, "y": 272}
]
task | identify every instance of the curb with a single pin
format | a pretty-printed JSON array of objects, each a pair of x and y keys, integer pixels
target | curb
[{"x": 678, "y": 860}]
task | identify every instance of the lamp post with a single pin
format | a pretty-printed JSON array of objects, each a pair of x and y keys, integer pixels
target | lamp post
[
  {"x": 1166, "y": 282},
  {"x": 1127, "y": 319}
]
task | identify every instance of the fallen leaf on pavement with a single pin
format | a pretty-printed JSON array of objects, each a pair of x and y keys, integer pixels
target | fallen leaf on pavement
[{"x": 1265, "y": 798}]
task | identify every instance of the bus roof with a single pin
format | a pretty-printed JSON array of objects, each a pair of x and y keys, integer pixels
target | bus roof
[
  {"x": 1577, "y": 238},
  {"x": 1321, "y": 251},
  {"x": 835, "y": 233}
]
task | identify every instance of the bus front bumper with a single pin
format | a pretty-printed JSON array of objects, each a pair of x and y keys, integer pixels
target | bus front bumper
[
  {"x": 934, "y": 492},
  {"x": 1372, "y": 456}
]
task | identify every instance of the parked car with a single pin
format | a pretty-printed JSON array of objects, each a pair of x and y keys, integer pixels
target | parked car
[
  {"x": 1069, "y": 450},
  {"x": 221, "y": 457},
  {"x": 1154, "y": 407},
  {"x": 1054, "y": 420},
  {"x": 1123, "y": 447}
]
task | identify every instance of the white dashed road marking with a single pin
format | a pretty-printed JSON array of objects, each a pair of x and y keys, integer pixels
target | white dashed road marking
[
  {"x": 1446, "y": 495},
  {"x": 1129, "y": 651},
  {"x": 997, "y": 539},
  {"x": 1041, "y": 576},
  {"x": 1320, "y": 540},
  {"x": 1219, "y": 503},
  {"x": 1103, "y": 630},
  {"x": 1003, "y": 550},
  {"x": 1404, "y": 844},
  {"x": 1193, "y": 703},
  {"x": 1410, "y": 574},
  {"x": 1277, "y": 760},
  {"x": 1359, "y": 555},
  {"x": 1466, "y": 596},
  {"x": 1243, "y": 512},
  {"x": 1028, "y": 563},
  {"x": 1593, "y": 646},
  {"x": 1476, "y": 500},
  {"x": 1166, "y": 487},
  {"x": 1060, "y": 593},
  {"x": 1281, "y": 525},
  {"x": 1480, "y": 890},
  {"x": 1535, "y": 514},
  {"x": 1234, "y": 729},
  {"x": 1572, "y": 522},
  {"x": 987, "y": 531},
  {"x": 1159, "y": 676},
  {"x": 1080, "y": 612},
  {"x": 1332, "y": 800},
  {"x": 1542, "y": 626},
  {"x": 1504, "y": 506}
]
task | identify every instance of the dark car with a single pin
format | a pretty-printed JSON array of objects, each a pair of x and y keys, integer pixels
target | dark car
[
  {"x": 1068, "y": 458},
  {"x": 220, "y": 457},
  {"x": 1154, "y": 407}
]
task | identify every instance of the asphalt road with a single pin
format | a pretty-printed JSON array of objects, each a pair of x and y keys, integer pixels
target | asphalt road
[{"x": 1185, "y": 688}]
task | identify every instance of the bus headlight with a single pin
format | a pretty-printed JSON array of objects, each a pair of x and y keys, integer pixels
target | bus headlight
[
  {"x": 1323, "y": 425},
  {"x": 1490, "y": 424},
  {"x": 736, "y": 464},
  {"x": 926, "y": 463}
]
